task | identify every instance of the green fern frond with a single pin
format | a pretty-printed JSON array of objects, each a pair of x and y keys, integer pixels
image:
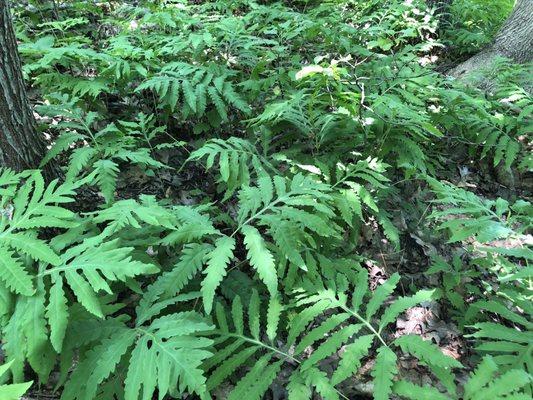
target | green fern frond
[
  {"x": 383, "y": 372},
  {"x": 13, "y": 391},
  {"x": 13, "y": 273},
  {"x": 331, "y": 345},
  {"x": 82, "y": 268},
  {"x": 351, "y": 358},
  {"x": 168, "y": 348},
  {"x": 57, "y": 312},
  {"x": 31, "y": 206},
  {"x": 260, "y": 258},
  {"x": 217, "y": 261},
  {"x": 170, "y": 283},
  {"x": 199, "y": 86},
  {"x": 238, "y": 161},
  {"x": 411, "y": 391},
  {"x": 426, "y": 351}
]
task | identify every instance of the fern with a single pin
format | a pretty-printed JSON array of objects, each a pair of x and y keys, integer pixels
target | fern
[
  {"x": 510, "y": 347},
  {"x": 483, "y": 383},
  {"x": 32, "y": 207},
  {"x": 260, "y": 258},
  {"x": 485, "y": 220},
  {"x": 13, "y": 391},
  {"x": 243, "y": 346},
  {"x": 200, "y": 87},
  {"x": 326, "y": 338},
  {"x": 82, "y": 267},
  {"x": 100, "y": 152},
  {"x": 383, "y": 372},
  {"x": 217, "y": 261},
  {"x": 409, "y": 390},
  {"x": 426, "y": 352},
  {"x": 169, "y": 347},
  {"x": 313, "y": 119},
  {"x": 237, "y": 160}
]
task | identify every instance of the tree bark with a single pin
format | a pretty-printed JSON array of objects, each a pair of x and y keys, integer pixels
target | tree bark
[
  {"x": 514, "y": 41},
  {"x": 21, "y": 147}
]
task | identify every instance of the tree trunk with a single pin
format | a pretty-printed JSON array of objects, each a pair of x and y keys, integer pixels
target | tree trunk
[
  {"x": 514, "y": 41},
  {"x": 20, "y": 145}
]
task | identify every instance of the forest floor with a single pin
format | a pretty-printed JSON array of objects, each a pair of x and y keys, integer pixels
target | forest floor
[
  {"x": 418, "y": 247},
  {"x": 385, "y": 109}
]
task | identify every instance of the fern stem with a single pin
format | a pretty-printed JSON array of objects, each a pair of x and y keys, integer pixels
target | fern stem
[
  {"x": 259, "y": 343},
  {"x": 266, "y": 346},
  {"x": 362, "y": 320},
  {"x": 264, "y": 209}
]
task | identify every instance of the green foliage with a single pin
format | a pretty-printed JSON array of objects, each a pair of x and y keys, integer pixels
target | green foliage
[
  {"x": 165, "y": 355},
  {"x": 200, "y": 88},
  {"x": 471, "y": 24},
  {"x": 28, "y": 209},
  {"x": 484, "y": 220},
  {"x": 485, "y": 382},
  {"x": 13, "y": 391},
  {"x": 230, "y": 182},
  {"x": 240, "y": 343},
  {"x": 238, "y": 161}
]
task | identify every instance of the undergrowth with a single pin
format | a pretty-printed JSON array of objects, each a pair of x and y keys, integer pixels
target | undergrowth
[{"x": 290, "y": 129}]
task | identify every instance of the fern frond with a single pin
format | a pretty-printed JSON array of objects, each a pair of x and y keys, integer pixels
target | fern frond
[
  {"x": 383, "y": 372},
  {"x": 167, "y": 348},
  {"x": 351, "y": 358},
  {"x": 504, "y": 385},
  {"x": 107, "y": 173},
  {"x": 320, "y": 331},
  {"x": 402, "y": 304},
  {"x": 380, "y": 295},
  {"x": 61, "y": 144},
  {"x": 331, "y": 345},
  {"x": 13, "y": 391},
  {"x": 57, "y": 312},
  {"x": 172, "y": 282},
  {"x": 260, "y": 258},
  {"x": 319, "y": 380},
  {"x": 174, "y": 354},
  {"x": 297, "y": 388},
  {"x": 426, "y": 351},
  {"x": 217, "y": 262},
  {"x": 13, "y": 274},
  {"x": 97, "y": 365},
  {"x": 411, "y": 391},
  {"x": 274, "y": 311},
  {"x": 482, "y": 375},
  {"x": 82, "y": 268},
  {"x": 238, "y": 160},
  {"x": 509, "y": 346}
]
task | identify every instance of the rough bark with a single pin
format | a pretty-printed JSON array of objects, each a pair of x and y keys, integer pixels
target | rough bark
[
  {"x": 20, "y": 145},
  {"x": 513, "y": 41}
]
